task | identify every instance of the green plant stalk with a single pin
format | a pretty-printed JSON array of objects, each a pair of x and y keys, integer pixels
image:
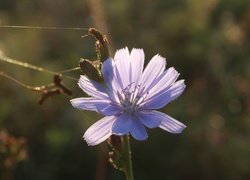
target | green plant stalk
[{"x": 128, "y": 170}]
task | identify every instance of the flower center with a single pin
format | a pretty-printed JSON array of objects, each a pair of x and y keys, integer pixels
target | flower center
[{"x": 131, "y": 99}]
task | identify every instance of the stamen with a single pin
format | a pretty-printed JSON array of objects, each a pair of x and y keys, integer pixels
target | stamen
[{"x": 131, "y": 99}]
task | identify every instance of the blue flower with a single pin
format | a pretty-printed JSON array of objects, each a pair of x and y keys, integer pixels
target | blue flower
[{"x": 130, "y": 97}]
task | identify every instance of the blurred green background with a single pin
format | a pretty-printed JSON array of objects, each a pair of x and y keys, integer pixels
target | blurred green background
[{"x": 206, "y": 41}]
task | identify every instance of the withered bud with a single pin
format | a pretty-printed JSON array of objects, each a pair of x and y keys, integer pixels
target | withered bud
[
  {"x": 89, "y": 69},
  {"x": 46, "y": 94},
  {"x": 101, "y": 44},
  {"x": 116, "y": 142},
  {"x": 58, "y": 83},
  {"x": 97, "y": 34}
]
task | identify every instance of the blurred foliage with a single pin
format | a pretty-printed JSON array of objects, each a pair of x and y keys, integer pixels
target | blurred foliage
[
  {"x": 12, "y": 151},
  {"x": 206, "y": 41}
]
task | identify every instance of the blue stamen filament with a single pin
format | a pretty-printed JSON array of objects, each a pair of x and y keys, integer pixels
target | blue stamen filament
[{"x": 131, "y": 100}]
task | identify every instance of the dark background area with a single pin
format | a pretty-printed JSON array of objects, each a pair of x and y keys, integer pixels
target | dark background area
[{"x": 206, "y": 41}]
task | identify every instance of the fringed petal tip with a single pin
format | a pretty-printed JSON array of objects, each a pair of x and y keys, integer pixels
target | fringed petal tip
[
  {"x": 75, "y": 103},
  {"x": 168, "y": 123},
  {"x": 71, "y": 102},
  {"x": 121, "y": 52},
  {"x": 138, "y": 50},
  {"x": 88, "y": 142},
  {"x": 182, "y": 83},
  {"x": 171, "y": 125},
  {"x": 91, "y": 142},
  {"x": 180, "y": 129}
]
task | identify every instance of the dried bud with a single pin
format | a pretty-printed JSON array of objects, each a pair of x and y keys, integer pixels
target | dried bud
[
  {"x": 90, "y": 70},
  {"x": 116, "y": 155},
  {"x": 116, "y": 142},
  {"x": 58, "y": 83},
  {"x": 101, "y": 44}
]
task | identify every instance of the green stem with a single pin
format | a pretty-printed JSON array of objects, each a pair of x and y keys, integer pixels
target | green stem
[{"x": 128, "y": 161}]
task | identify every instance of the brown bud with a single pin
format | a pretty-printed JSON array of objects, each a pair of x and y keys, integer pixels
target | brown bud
[
  {"x": 90, "y": 70},
  {"x": 116, "y": 142},
  {"x": 101, "y": 44}
]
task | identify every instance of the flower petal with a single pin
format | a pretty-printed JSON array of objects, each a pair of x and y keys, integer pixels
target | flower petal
[
  {"x": 107, "y": 72},
  {"x": 108, "y": 109},
  {"x": 93, "y": 88},
  {"x": 170, "y": 124},
  {"x": 138, "y": 131},
  {"x": 137, "y": 61},
  {"x": 149, "y": 118},
  {"x": 123, "y": 67},
  {"x": 87, "y": 103},
  {"x": 177, "y": 89},
  {"x": 155, "y": 67},
  {"x": 99, "y": 131},
  {"x": 109, "y": 76},
  {"x": 163, "y": 82},
  {"x": 160, "y": 99},
  {"x": 122, "y": 125}
]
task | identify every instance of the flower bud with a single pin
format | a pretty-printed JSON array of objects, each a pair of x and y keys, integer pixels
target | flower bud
[
  {"x": 90, "y": 70},
  {"x": 101, "y": 44}
]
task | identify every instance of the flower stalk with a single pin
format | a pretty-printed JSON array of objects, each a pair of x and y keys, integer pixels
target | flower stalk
[
  {"x": 120, "y": 155},
  {"x": 128, "y": 169}
]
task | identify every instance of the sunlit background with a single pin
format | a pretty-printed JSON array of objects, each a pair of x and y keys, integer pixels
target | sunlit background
[{"x": 206, "y": 41}]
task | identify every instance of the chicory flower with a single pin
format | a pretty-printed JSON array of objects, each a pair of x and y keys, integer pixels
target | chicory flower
[{"x": 130, "y": 97}]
